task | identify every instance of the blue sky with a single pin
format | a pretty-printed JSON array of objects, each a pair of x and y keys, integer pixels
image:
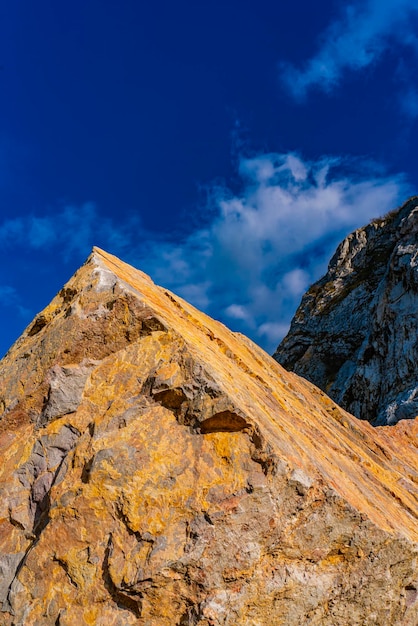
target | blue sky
[{"x": 225, "y": 148}]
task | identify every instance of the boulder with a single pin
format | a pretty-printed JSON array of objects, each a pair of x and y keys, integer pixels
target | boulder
[{"x": 159, "y": 470}]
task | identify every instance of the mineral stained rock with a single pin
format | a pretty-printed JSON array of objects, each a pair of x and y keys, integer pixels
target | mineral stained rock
[
  {"x": 157, "y": 469},
  {"x": 355, "y": 333}
]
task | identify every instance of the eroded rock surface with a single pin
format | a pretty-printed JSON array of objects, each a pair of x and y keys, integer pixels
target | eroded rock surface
[
  {"x": 157, "y": 469},
  {"x": 355, "y": 334}
]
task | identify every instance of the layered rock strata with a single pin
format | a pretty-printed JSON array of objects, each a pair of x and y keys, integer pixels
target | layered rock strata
[
  {"x": 157, "y": 469},
  {"x": 355, "y": 333}
]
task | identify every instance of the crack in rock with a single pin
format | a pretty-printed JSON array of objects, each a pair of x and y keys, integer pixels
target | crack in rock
[{"x": 46, "y": 467}]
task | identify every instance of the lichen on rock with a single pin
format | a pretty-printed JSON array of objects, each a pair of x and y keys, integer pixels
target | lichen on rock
[{"x": 159, "y": 470}]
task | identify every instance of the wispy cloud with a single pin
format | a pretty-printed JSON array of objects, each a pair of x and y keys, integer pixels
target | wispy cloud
[
  {"x": 73, "y": 229},
  {"x": 259, "y": 250},
  {"x": 10, "y": 298},
  {"x": 364, "y": 31},
  {"x": 265, "y": 246},
  {"x": 8, "y": 294}
]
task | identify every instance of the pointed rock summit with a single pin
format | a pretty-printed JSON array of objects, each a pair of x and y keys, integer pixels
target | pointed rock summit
[
  {"x": 157, "y": 469},
  {"x": 355, "y": 333}
]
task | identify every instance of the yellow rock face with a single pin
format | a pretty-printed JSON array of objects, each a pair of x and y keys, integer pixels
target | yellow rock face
[{"x": 158, "y": 469}]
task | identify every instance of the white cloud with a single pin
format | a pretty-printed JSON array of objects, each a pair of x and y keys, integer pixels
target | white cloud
[
  {"x": 239, "y": 312},
  {"x": 365, "y": 30},
  {"x": 266, "y": 245},
  {"x": 271, "y": 331},
  {"x": 296, "y": 281},
  {"x": 260, "y": 250}
]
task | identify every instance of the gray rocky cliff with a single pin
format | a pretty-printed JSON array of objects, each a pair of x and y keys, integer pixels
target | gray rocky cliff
[{"x": 355, "y": 333}]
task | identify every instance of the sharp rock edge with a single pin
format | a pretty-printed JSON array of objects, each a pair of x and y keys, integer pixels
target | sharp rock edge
[
  {"x": 157, "y": 469},
  {"x": 355, "y": 333}
]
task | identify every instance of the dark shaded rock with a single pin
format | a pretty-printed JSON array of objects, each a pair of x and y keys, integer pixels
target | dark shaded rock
[{"x": 355, "y": 333}]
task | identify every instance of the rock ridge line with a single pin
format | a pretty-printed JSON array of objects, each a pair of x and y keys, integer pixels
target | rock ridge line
[{"x": 158, "y": 469}]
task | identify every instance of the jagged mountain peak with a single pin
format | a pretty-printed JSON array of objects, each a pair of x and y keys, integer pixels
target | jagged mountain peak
[{"x": 160, "y": 469}]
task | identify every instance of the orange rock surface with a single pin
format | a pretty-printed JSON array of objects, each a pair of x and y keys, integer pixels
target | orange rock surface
[{"x": 158, "y": 469}]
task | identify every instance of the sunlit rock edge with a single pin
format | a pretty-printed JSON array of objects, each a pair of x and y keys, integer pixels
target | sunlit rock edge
[{"x": 158, "y": 469}]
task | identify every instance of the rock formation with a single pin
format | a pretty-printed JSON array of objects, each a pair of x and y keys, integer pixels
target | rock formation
[
  {"x": 355, "y": 333},
  {"x": 157, "y": 469}
]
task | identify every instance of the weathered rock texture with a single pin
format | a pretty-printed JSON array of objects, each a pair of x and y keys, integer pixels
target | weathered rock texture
[
  {"x": 157, "y": 469},
  {"x": 355, "y": 333}
]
